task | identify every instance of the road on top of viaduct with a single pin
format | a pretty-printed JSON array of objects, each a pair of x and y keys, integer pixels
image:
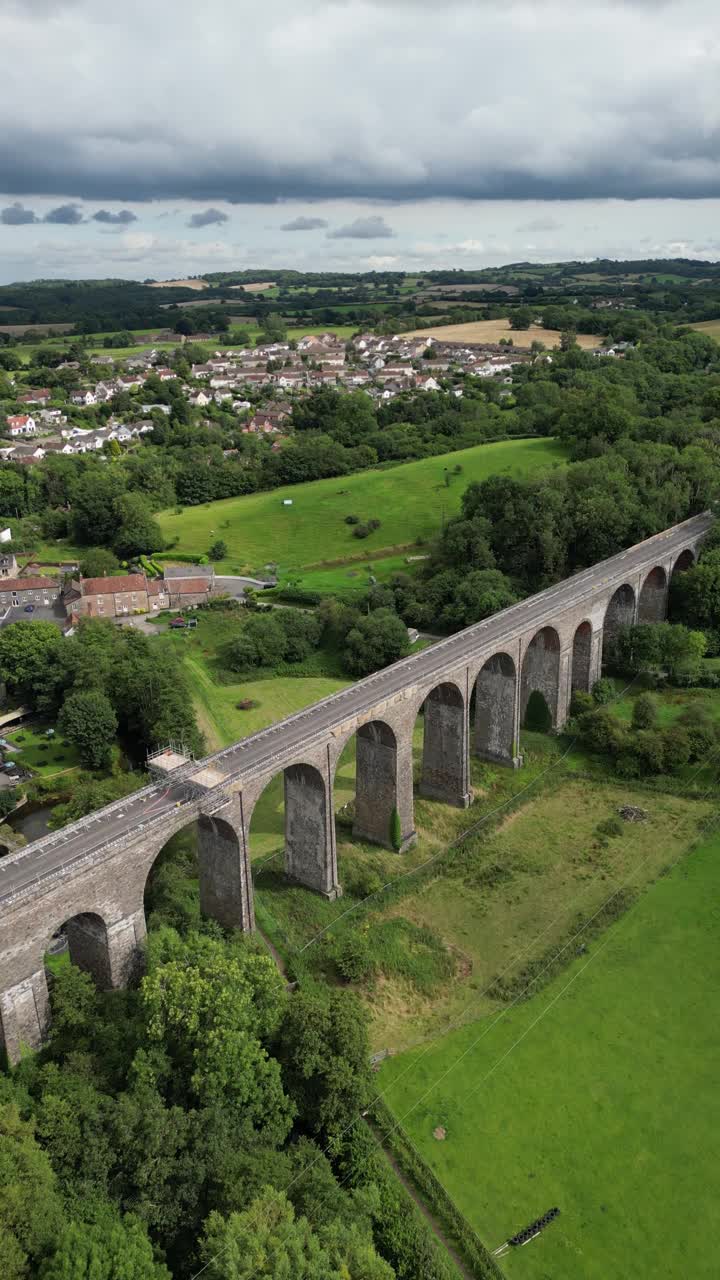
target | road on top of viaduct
[{"x": 57, "y": 851}]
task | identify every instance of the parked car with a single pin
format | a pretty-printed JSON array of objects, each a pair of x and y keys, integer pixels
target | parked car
[{"x": 29, "y": 608}]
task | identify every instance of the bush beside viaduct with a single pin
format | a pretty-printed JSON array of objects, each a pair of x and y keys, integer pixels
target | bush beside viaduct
[{"x": 89, "y": 879}]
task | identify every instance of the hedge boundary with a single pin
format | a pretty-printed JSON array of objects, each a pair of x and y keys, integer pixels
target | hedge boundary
[{"x": 462, "y": 1236}]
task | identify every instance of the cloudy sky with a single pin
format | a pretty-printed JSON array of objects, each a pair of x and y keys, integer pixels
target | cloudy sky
[{"x": 171, "y": 137}]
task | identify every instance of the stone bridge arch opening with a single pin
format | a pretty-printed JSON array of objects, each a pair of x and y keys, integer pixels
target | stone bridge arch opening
[
  {"x": 200, "y": 870},
  {"x": 291, "y": 833},
  {"x": 581, "y": 670},
  {"x": 496, "y": 724},
  {"x": 373, "y": 783},
  {"x": 540, "y": 682},
  {"x": 619, "y": 613},
  {"x": 81, "y": 940},
  {"x": 652, "y": 601},
  {"x": 444, "y": 773},
  {"x": 685, "y": 561}
]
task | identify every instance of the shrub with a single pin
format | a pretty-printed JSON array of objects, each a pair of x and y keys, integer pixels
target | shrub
[
  {"x": 395, "y": 830},
  {"x": 611, "y": 827},
  {"x": 361, "y": 531},
  {"x": 373, "y": 525},
  {"x": 218, "y": 550},
  {"x": 247, "y": 704},
  {"x": 603, "y": 691},
  {"x": 353, "y": 958},
  {"x": 581, "y": 702},
  {"x": 352, "y": 519},
  {"x": 644, "y": 712}
]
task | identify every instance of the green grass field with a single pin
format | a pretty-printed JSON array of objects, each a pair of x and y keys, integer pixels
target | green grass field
[
  {"x": 599, "y": 1096},
  {"x": 353, "y": 579},
  {"x": 216, "y": 694},
  {"x": 410, "y": 500}
]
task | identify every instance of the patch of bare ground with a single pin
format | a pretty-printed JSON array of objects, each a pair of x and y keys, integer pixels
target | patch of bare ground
[
  {"x": 258, "y": 287},
  {"x": 180, "y": 284}
]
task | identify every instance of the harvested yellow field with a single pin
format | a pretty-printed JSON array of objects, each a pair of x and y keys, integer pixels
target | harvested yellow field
[
  {"x": 258, "y": 287},
  {"x": 481, "y": 331},
  {"x": 710, "y": 327},
  {"x": 180, "y": 284}
]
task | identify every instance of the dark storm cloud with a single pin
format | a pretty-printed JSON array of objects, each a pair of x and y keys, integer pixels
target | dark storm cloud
[
  {"x": 371, "y": 228},
  {"x": 67, "y": 215},
  {"x": 16, "y": 215},
  {"x": 208, "y": 218},
  {"x": 120, "y": 219},
  {"x": 419, "y": 124},
  {"x": 304, "y": 224}
]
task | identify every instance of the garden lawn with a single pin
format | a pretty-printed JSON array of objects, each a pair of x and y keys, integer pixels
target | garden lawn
[
  {"x": 45, "y": 756},
  {"x": 410, "y": 500},
  {"x": 599, "y": 1096}
]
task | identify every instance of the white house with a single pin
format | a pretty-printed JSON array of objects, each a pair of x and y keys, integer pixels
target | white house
[{"x": 21, "y": 424}]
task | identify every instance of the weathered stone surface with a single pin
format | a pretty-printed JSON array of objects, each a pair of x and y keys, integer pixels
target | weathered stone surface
[{"x": 446, "y": 764}]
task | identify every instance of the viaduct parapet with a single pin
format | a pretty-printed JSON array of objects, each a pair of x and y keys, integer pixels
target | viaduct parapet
[{"x": 89, "y": 879}]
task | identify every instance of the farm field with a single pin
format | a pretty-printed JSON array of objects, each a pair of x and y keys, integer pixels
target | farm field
[
  {"x": 493, "y": 330},
  {"x": 597, "y": 1096},
  {"x": 411, "y": 500},
  {"x": 710, "y": 327},
  {"x": 180, "y": 284}
]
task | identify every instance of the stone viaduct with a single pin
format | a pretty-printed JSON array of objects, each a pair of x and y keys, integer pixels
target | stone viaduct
[{"x": 89, "y": 878}]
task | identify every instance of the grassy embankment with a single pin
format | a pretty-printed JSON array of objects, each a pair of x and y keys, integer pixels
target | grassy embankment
[
  {"x": 598, "y": 1096},
  {"x": 410, "y": 500}
]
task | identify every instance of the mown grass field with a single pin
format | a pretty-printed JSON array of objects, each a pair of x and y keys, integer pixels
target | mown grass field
[
  {"x": 410, "y": 500},
  {"x": 598, "y": 1096}
]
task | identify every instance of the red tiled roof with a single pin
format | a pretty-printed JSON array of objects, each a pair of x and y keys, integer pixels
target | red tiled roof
[
  {"x": 156, "y": 587},
  {"x": 186, "y": 586},
  {"x": 111, "y": 586},
  {"x": 27, "y": 584}
]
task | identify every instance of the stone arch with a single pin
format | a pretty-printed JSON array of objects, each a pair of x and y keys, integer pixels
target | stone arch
[
  {"x": 496, "y": 711},
  {"x": 223, "y": 867},
  {"x": 445, "y": 771},
  {"x": 87, "y": 941},
  {"x": 581, "y": 673},
  {"x": 541, "y": 672},
  {"x": 685, "y": 560},
  {"x": 652, "y": 601},
  {"x": 300, "y": 817},
  {"x": 619, "y": 613},
  {"x": 383, "y": 783}
]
